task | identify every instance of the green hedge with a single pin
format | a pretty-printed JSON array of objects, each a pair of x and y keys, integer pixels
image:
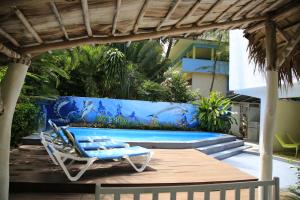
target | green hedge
[{"x": 24, "y": 121}]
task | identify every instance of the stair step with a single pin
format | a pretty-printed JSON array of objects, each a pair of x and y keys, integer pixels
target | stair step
[
  {"x": 213, "y": 141},
  {"x": 220, "y": 147},
  {"x": 230, "y": 152}
]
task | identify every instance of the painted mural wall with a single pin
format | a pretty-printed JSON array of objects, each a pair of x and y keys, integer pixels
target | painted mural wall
[{"x": 67, "y": 109}]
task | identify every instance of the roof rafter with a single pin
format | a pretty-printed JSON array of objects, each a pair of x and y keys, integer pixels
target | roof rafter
[
  {"x": 137, "y": 37},
  {"x": 188, "y": 14},
  {"x": 271, "y": 7},
  {"x": 8, "y": 52},
  {"x": 140, "y": 16},
  {"x": 170, "y": 12},
  {"x": 283, "y": 34},
  {"x": 86, "y": 17},
  {"x": 246, "y": 7},
  {"x": 255, "y": 9},
  {"x": 289, "y": 47},
  {"x": 28, "y": 25},
  {"x": 208, "y": 11},
  {"x": 225, "y": 11},
  {"x": 9, "y": 37},
  {"x": 58, "y": 17},
  {"x": 116, "y": 17}
]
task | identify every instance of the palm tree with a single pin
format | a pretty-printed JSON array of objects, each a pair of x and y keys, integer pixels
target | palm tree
[{"x": 221, "y": 52}]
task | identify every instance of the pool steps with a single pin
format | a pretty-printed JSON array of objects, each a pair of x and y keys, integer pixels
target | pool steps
[{"x": 224, "y": 150}]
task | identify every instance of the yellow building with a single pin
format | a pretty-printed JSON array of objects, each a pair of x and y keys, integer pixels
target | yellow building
[{"x": 195, "y": 58}]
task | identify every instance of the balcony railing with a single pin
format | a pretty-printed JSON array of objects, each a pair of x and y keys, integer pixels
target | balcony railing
[{"x": 204, "y": 66}]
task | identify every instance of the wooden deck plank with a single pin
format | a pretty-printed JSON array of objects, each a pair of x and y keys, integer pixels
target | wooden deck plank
[{"x": 167, "y": 167}]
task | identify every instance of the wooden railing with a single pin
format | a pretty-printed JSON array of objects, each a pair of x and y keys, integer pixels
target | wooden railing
[{"x": 250, "y": 187}]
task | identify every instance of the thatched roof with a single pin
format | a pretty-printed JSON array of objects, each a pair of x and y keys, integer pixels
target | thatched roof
[{"x": 36, "y": 26}]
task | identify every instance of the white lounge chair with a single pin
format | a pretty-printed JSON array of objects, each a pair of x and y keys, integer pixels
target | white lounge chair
[{"x": 61, "y": 156}]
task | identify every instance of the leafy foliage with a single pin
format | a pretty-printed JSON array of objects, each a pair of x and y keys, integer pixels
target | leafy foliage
[
  {"x": 296, "y": 188},
  {"x": 214, "y": 113},
  {"x": 24, "y": 121},
  {"x": 178, "y": 88},
  {"x": 152, "y": 91}
]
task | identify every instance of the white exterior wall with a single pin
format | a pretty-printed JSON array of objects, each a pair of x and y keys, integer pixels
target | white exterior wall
[
  {"x": 202, "y": 81},
  {"x": 243, "y": 80}
]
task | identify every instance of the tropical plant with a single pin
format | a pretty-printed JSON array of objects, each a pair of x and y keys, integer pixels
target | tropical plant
[
  {"x": 152, "y": 91},
  {"x": 295, "y": 189},
  {"x": 24, "y": 121},
  {"x": 214, "y": 113},
  {"x": 177, "y": 87}
]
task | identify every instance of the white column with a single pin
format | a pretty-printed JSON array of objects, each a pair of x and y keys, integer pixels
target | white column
[
  {"x": 11, "y": 87},
  {"x": 266, "y": 145}
]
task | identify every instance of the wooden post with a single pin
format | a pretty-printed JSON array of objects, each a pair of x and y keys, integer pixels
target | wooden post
[
  {"x": 266, "y": 145},
  {"x": 11, "y": 87}
]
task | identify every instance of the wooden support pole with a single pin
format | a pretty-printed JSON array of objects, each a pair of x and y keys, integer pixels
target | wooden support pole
[
  {"x": 86, "y": 17},
  {"x": 58, "y": 17},
  {"x": 9, "y": 37},
  {"x": 137, "y": 37},
  {"x": 116, "y": 17},
  {"x": 188, "y": 14},
  {"x": 28, "y": 25},
  {"x": 140, "y": 16},
  {"x": 266, "y": 142},
  {"x": 170, "y": 12}
]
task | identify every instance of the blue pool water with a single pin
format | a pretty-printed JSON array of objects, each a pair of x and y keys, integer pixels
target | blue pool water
[{"x": 133, "y": 135}]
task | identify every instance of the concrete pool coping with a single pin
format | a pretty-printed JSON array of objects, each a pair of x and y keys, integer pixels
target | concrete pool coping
[{"x": 34, "y": 139}]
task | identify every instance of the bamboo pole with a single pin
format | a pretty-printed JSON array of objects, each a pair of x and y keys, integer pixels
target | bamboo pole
[
  {"x": 170, "y": 12},
  {"x": 86, "y": 17},
  {"x": 11, "y": 87},
  {"x": 266, "y": 144},
  {"x": 9, "y": 37},
  {"x": 140, "y": 16},
  {"x": 58, "y": 17},
  {"x": 116, "y": 17},
  {"x": 8, "y": 52},
  {"x": 137, "y": 37},
  {"x": 28, "y": 26}
]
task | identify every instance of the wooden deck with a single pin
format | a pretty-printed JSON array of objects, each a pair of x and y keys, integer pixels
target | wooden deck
[{"x": 32, "y": 171}]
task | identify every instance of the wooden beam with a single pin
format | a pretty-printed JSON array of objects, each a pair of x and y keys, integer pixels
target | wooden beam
[
  {"x": 8, "y": 52},
  {"x": 208, "y": 11},
  {"x": 140, "y": 16},
  {"x": 289, "y": 47},
  {"x": 86, "y": 17},
  {"x": 283, "y": 34},
  {"x": 170, "y": 12},
  {"x": 58, "y": 17},
  {"x": 9, "y": 37},
  {"x": 272, "y": 6},
  {"x": 116, "y": 17},
  {"x": 245, "y": 8},
  {"x": 188, "y": 14},
  {"x": 28, "y": 25},
  {"x": 256, "y": 9},
  {"x": 137, "y": 37},
  {"x": 218, "y": 18}
]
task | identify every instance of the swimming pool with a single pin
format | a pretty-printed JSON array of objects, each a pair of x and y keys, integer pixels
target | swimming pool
[{"x": 155, "y": 138}]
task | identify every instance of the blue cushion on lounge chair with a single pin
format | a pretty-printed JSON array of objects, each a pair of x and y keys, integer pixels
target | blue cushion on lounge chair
[
  {"x": 118, "y": 153},
  {"x": 102, "y": 145}
]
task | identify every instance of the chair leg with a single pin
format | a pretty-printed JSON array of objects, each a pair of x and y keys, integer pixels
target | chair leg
[
  {"x": 80, "y": 173},
  {"x": 144, "y": 165}
]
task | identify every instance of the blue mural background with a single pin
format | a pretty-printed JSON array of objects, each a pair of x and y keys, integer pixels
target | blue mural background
[{"x": 68, "y": 109}]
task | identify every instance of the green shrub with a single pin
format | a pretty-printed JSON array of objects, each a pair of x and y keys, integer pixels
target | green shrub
[
  {"x": 24, "y": 121},
  {"x": 152, "y": 91},
  {"x": 214, "y": 113}
]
